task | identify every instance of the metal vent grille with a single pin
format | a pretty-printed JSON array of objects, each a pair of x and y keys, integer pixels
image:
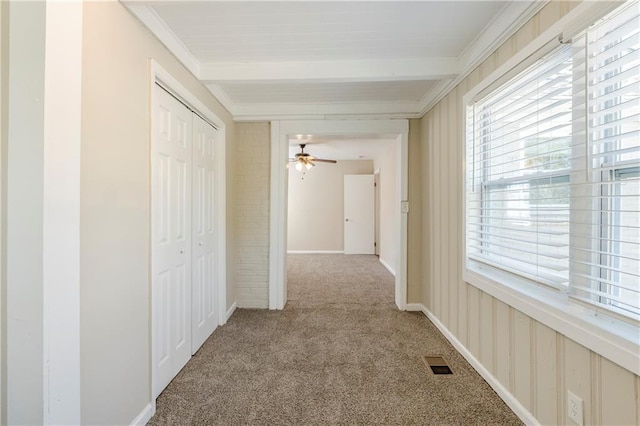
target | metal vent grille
[{"x": 437, "y": 364}]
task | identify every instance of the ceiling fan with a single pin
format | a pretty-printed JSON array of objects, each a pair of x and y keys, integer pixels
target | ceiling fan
[{"x": 305, "y": 161}]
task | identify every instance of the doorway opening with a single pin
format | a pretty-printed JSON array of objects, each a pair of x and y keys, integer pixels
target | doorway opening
[
  {"x": 393, "y": 133},
  {"x": 339, "y": 212}
]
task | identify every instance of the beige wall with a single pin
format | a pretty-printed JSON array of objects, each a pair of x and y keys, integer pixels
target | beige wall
[
  {"x": 535, "y": 363},
  {"x": 252, "y": 172},
  {"x": 387, "y": 162},
  {"x": 414, "y": 217},
  {"x": 115, "y": 215},
  {"x": 315, "y": 218},
  {"x": 23, "y": 189},
  {"x": 4, "y": 65}
]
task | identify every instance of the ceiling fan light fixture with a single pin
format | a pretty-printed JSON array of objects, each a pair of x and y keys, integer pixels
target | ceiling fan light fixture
[{"x": 305, "y": 162}]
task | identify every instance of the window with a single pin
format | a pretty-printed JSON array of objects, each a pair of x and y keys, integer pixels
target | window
[{"x": 553, "y": 169}]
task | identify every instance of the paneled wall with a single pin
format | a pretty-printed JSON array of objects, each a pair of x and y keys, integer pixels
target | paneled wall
[
  {"x": 252, "y": 223},
  {"x": 535, "y": 363}
]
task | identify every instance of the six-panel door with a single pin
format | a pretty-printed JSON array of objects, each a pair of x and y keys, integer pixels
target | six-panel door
[
  {"x": 204, "y": 316},
  {"x": 171, "y": 237}
]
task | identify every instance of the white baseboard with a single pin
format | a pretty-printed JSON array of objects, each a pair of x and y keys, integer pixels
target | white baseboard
[
  {"x": 315, "y": 252},
  {"x": 515, "y": 405},
  {"x": 414, "y": 307},
  {"x": 231, "y": 310},
  {"x": 145, "y": 415},
  {"x": 389, "y": 268}
]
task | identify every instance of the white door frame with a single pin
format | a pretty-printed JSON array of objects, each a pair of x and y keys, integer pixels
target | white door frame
[
  {"x": 159, "y": 74},
  {"x": 280, "y": 131}
]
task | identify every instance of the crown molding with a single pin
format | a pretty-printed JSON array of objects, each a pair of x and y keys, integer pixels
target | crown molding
[
  {"x": 222, "y": 97},
  {"x": 509, "y": 20},
  {"x": 505, "y": 24},
  {"x": 437, "y": 91},
  {"x": 148, "y": 17}
]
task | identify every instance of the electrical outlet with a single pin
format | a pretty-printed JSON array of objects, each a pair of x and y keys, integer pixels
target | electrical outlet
[{"x": 574, "y": 408}]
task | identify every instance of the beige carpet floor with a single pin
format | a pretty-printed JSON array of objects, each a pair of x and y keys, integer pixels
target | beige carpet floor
[{"x": 339, "y": 353}]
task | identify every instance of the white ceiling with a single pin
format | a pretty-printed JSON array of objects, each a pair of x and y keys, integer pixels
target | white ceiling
[
  {"x": 313, "y": 31},
  {"x": 343, "y": 148},
  {"x": 309, "y": 59}
]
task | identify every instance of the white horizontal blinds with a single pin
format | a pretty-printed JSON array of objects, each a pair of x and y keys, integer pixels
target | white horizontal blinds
[
  {"x": 519, "y": 161},
  {"x": 606, "y": 250},
  {"x": 553, "y": 168}
]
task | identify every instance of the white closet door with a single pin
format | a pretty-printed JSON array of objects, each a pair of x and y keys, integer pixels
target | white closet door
[
  {"x": 204, "y": 315},
  {"x": 171, "y": 237}
]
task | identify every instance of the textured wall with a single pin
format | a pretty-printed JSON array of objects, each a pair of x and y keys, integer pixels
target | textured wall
[
  {"x": 535, "y": 363},
  {"x": 252, "y": 221},
  {"x": 115, "y": 216}
]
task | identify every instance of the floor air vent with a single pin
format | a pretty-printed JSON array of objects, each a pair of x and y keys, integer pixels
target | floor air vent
[{"x": 437, "y": 364}]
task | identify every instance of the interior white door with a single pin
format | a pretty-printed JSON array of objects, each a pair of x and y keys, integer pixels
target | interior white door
[
  {"x": 171, "y": 237},
  {"x": 204, "y": 312},
  {"x": 359, "y": 214}
]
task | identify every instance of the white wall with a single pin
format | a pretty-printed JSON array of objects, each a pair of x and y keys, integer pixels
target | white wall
[
  {"x": 388, "y": 186},
  {"x": 252, "y": 226},
  {"x": 115, "y": 209},
  {"x": 533, "y": 362},
  {"x": 114, "y": 213},
  {"x": 316, "y": 205}
]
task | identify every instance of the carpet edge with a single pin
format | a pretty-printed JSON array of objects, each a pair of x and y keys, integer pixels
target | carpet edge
[{"x": 509, "y": 399}]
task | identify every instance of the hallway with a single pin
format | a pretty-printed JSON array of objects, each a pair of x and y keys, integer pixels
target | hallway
[{"x": 340, "y": 352}]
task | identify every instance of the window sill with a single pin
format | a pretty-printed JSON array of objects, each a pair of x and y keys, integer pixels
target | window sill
[{"x": 611, "y": 338}]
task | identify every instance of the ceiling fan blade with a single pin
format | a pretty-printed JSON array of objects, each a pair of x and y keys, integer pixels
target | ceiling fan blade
[{"x": 307, "y": 159}]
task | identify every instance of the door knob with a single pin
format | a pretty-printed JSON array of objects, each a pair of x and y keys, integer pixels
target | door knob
[{"x": 346, "y": 220}]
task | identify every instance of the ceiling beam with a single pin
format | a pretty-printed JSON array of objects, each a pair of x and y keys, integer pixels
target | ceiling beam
[
  {"x": 307, "y": 111},
  {"x": 330, "y": 71}
]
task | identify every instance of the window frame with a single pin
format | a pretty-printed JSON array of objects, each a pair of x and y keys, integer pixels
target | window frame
[
  {"x": 618, "y": 174},
  {"x": 609, "y": 178},
  {"x": 531, "y": 181},
  {"x": 597, "y": 329}
]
